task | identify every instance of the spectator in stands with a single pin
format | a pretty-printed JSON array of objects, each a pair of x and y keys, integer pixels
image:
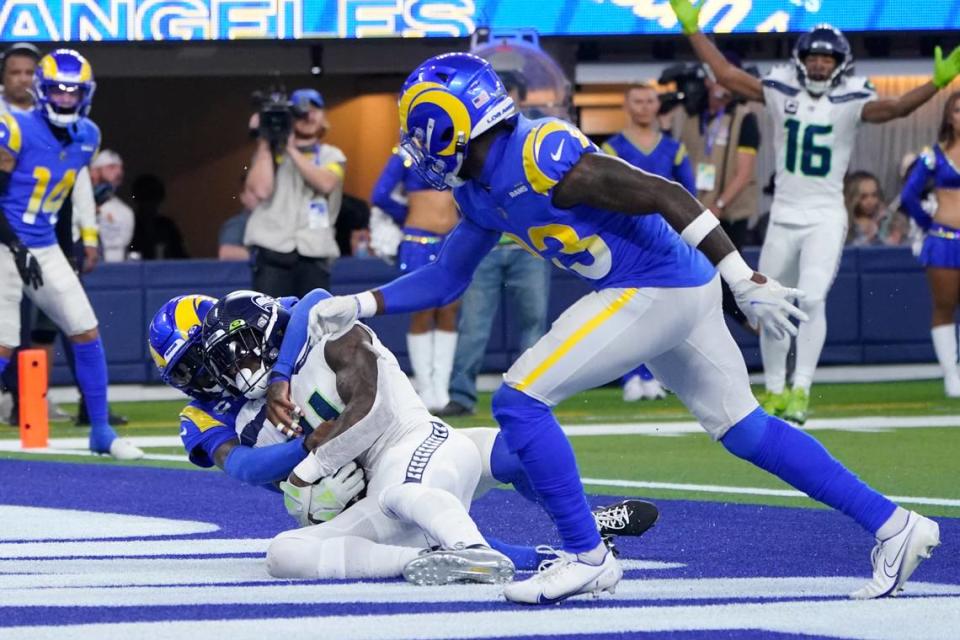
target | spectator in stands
[
  {"x": 230, "y": 238},
  {"x": 427, "y": 216},
  {"x": 17, "y": 67},
  {"x": 509, "y": 268},
  {"x": 298, "y": 191},
  {"x": 115, "y": 217},
  {"x": 941, "y": 248},
  {"x": 155, "y": 236},
  {"x": 872, "y": 223}
]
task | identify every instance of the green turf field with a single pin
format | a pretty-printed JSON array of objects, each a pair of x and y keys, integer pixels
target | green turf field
[{"x": 913, "y": 462}]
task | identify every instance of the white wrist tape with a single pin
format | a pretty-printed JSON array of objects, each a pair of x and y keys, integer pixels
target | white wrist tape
[
  {"x": 694, "y": 233},
  {"x": 309, "y": 469},
  {"x": 366, "y": 305},
  {"x": 733, "y": 268}
]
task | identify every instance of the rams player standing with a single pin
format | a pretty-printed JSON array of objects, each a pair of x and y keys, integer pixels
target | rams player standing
[
  {"x": 656, "y": 299},
  {"x": 817, "y": 106},
  {"x": 41, "y": 152}
]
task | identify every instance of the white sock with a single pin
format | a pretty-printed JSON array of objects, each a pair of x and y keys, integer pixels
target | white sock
[
  {"x": 774, "y": 352},
  {"x": 595, "y": 556},
  {"x": 353, "y": 557},
  {"x": 444, "y": 348},
  {"x": 810, "y": 339},
  {"x": 420, "y": 352},
  {"x": 894, "y": 524},
  {"x": 436, "y": 512},
  {"x": 945, "y": 345}
]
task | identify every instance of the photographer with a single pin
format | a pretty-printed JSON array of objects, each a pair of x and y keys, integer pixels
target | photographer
[
  {"x": 722, "y": 136},
  {"x": 297, "y": 183}
]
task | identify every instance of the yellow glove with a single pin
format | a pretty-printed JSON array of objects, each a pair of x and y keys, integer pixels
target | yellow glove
[
  {"x": 687, "y": 14},
  {"x": 944, "y": 70}
]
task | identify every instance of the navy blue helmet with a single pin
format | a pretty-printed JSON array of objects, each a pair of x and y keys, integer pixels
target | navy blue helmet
[
  {"x": 826, "y": 40},
  {"x": 241, "y": 337}
]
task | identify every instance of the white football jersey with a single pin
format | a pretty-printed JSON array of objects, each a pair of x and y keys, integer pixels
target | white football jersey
[
  {"x": 813, "y": 138},
  {"x": 313, "y": 388}
]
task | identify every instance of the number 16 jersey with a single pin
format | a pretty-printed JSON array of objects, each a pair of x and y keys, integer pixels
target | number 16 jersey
[
  {"x": 45, "y": 171},
  {"x": 813, "y": 138}
]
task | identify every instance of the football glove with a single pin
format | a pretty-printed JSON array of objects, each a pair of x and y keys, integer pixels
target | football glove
[
  {"x": 27, "y": 265},
  {"x": 334, "y": 316},
  {"x": 768, "y": 305},
  {"x": 687, "y": 14},
  {"x": 945, "y": 69},
  {"x": 322, "y": 501}
]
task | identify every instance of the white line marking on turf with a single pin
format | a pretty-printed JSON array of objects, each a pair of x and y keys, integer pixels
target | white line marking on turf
[
  {"x": 35, "y": 523},
  {"x": 753, "y": 491},
  {"x": 45, "y": 591},
  {"x": 133, "y": 548},
  {"x": 927, "y": 618}
]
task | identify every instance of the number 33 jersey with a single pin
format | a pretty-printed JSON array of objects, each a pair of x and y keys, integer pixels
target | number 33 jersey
[
  {"x": 813, "y": 138},
  {"x": 44, "y": 173},
  {"x": 606, "y": 248}
]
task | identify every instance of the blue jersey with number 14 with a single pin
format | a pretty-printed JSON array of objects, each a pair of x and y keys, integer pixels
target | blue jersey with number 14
[
  {"x": 44, "y": 173},
  {"x": 605, "y": 248}
]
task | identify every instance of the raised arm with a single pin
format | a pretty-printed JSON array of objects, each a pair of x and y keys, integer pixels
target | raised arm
[
  {"x": 383, "y": 191},
  {"x": 944, "y": 71},
  {"x": 728, "y": 75},
  {"x": 912, "y": 196}
]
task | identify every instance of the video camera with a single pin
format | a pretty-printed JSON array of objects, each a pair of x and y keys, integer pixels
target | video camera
[
  {"x": 691, "y": 91},
  {"x": 277, "y": 113}
]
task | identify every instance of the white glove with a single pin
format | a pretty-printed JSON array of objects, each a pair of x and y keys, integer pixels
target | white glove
[
  {"x": 768, "y": 305},
  {"x": 322, "y": 501},
  {"x": 385, "y": 235},
  {"x": 334, "y": 316}
]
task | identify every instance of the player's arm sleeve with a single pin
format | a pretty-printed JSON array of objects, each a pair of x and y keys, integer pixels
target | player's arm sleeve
[
  {"x": 202, "y": 435},
  {"x": 444, "y": 280},
  {"x": 683, "y": 170},
  {"x": 383, "y": 190},
  {"x": 85, "y": 209},
  {"x": 913, "y": 188},
  {"x": 264, "y": 465},
  {"x": 7, "y": 235},
  {"x": 296, "y": 335},
  {"x": 10, "y": 142}
]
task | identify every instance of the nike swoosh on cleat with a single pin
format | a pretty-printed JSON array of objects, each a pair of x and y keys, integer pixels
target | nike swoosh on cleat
[
  {"x": 887, "y": 565},
  {"x": 556, "y": 154}
]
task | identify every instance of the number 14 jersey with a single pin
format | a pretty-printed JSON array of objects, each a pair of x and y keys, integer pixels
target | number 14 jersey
[
  {"x": 44, "y": 173},
  {"x": 813, "y": 138}
]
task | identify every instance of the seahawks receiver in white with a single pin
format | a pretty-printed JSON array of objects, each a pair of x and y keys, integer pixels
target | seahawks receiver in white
[{"x": 816, "y": 105}]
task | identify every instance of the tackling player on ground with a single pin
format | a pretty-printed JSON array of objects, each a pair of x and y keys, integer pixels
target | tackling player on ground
[
  {"x": 41, "y": 152},
  {"x": 646, "y": 247},
  {"x": 816, "y": 105}
]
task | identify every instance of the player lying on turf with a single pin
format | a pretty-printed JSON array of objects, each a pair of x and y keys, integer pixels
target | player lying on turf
[
  {"x": 231, "y": 432},
  {"x": 654, "y": 257}
]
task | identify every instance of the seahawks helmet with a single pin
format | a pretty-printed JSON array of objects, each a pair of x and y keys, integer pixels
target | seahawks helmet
[
  {"x": 826, "y": 40},
  {"x": 174, "y": 342},
  {"x": 445, "y": 103},
  {"x": 64, "y": 87},
  {"x": 241, "y": 338}
]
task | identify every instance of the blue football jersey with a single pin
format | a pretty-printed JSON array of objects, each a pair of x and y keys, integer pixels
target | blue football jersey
[
  {"x": 668, "y": 158},
  {"x": 207, "y": 424},
  {"x": 45, "y": 171},
  {"x": 606, "y": 248}
]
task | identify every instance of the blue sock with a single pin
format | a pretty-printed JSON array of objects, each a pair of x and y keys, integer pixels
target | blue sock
[
  {"x": 3, "y": 363},
  {"x": 507, "y": 468},
  {"x": 533, "y": 433},
  {"x": 644, "y": 373},
  {"x": 92, "y": 380},
  {"x": 524, "y": 558},
  {"x": 799, "y": 460}
]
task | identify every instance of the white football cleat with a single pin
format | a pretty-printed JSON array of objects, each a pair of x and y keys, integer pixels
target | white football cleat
[
  {"x": 565, "y": 576},
  {"x": 653, "y": 390},
  {"x": 896, "y": 558},
  {"x": 123, "y": 449},
  {"x": 476, "y": 563},
  {"x": 633, "y": 389}
]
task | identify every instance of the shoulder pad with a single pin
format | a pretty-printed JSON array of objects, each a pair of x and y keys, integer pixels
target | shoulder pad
[
  {"x": 199, "y": 417},
  {"x": 10, "y": 137},
  {"x": 549, "y": 150}
]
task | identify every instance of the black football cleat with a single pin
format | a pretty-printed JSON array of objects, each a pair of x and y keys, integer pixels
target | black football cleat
[{"x": 626, "y": 518}]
